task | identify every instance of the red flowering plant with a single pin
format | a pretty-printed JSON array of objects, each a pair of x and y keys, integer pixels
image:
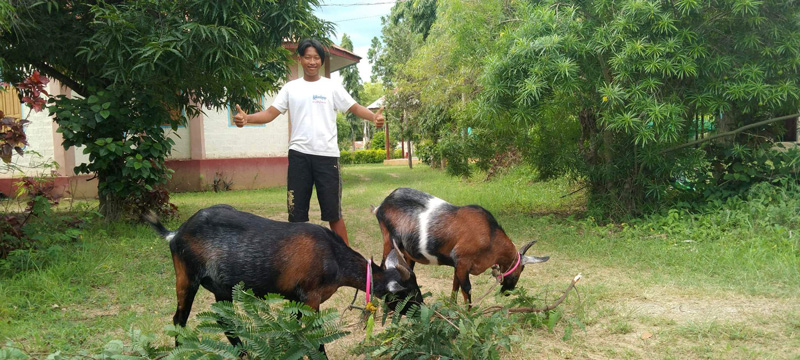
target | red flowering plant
[{"x": 12, "y": 131}]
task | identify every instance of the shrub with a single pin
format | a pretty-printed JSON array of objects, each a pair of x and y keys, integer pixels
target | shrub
[
  {"x": 441, "y": 331},
  {"x": 362, "y": 157},
  {"x": 269, "y": 328}
]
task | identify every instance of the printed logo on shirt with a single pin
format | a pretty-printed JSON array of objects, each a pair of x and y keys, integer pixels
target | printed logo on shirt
[{"x": 319, "y": 99}]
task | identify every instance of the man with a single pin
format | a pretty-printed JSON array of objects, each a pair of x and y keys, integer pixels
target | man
[{"x": 312, "y": 102}]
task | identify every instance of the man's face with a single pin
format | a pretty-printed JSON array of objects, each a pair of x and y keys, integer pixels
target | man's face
[{"x": 311, "y": 62}]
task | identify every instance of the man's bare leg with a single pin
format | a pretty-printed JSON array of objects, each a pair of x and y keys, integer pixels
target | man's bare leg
[{"x": 339, "y": 228}]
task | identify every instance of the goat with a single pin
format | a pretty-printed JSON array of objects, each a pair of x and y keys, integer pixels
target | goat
[
  {"x": 219, "y": 247},
  {"x": 429, "y": 230}
]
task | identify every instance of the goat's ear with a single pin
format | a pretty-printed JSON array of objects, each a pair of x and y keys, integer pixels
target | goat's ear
[
  {"x": 400, "y": 257},
  {"x": 533, "y": 259},
  {"x": 395, "y": 261}
]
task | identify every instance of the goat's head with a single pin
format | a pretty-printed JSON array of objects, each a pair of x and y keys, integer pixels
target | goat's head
[
  {"x": 510, "y": 281},
  {"x": 400, "y": 282}
]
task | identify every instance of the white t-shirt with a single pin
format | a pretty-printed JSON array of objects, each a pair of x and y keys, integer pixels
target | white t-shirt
[{"x": 312, "y": 106}]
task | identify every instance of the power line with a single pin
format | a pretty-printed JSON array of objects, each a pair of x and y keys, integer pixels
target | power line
[
  {"x": 358, "y": 18},
  {"x": 361, "y": 4}
]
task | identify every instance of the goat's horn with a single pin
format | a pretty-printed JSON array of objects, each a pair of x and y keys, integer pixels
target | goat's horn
[
  {"x": 533, "y": 259},
  {"x": 402, "y": 265},
  {"x": 527, "y": 246}
]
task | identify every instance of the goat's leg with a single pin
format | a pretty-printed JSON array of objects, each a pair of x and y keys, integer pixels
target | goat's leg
[
  {"x": 456, "y": 286},
  {"x": 462, "y": 275},
  {"x": 185, "y": 289},
  {"x": 313, "y": 301},
  {"x": 228, "y": 296}
]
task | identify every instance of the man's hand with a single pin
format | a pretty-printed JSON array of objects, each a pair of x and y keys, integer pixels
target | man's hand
[
  {"x": 240, "y": 119},
  {"x": 379, "y": 118}
]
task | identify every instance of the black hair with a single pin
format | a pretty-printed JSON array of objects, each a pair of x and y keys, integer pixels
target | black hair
[{"x": 301, "y": 49}]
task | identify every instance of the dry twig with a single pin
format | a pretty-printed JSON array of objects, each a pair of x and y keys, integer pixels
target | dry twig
[{"x": 552, "y": 306}]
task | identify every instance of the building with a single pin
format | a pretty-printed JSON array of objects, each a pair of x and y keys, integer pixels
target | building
[{"x": 208, "y": 147}]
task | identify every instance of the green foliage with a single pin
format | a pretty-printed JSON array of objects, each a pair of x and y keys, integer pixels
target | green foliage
[
  {"x": 352, "y": 83},
  {"x": 378, "y": 141},
  {"x": 33, "y": 237},
  {"x": 362, "y": 157},
  {"x": 437, "y": 84},
  {"x": 269, "y": 328},
  {"x": 134, "y": 59},
  {"x": 372, "y": 92},
  {"x": 597, "y": 90},
  {"x": 140, "y": 347},
  {"x": 344, "y": 132},
  {"x": 403, "y": 31},
  {"x": 441, "y": 331},
  {"x": 126, "y": 145},
  {"x": 734, "y": 171},
  {"x": 635, "y": 75}
]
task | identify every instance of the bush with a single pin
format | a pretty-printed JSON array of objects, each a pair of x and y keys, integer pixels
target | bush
[
  {"x": 270, "y": 328},
  {"x": 378, "y": 141},
  {"x": 362, "y": 157},
  {"x": 440, "y": 331},
  {"x": 37, "y": 227}
]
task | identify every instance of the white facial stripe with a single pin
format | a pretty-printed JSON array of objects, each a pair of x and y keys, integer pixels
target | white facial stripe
[
  {"x": 170, "y": 236},
  {"x": 424, "y": 223}
]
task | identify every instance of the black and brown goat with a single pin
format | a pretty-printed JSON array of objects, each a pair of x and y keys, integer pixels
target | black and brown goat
[
  {"x": 429, "y": 230},
  {"x": 219, "y": 247}
]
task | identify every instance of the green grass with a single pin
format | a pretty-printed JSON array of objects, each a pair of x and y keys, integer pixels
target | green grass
[{"x": 721, "y": 284}]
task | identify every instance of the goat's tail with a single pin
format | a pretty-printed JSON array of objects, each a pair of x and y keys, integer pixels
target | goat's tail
[{"x": 152, "y": 219}]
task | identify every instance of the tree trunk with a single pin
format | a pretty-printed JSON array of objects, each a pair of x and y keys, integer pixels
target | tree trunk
[
  {"x": 726, "y": 123},
  {"x": 111, "y": 205},
  {"x": 410, "y": 164}
]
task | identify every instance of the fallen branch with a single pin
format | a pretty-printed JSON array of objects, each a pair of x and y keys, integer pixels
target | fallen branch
[
  {"x": 730, "y": 133},
  {"x": 552, "y": 306}
]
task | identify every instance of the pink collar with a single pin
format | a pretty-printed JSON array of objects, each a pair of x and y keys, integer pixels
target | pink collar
[
  {"x": 519, "y": 259},
  {"x": 369, "y": 278}
]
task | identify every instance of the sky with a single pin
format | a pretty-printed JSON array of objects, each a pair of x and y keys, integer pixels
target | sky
[{"x": 361, "y": 21}]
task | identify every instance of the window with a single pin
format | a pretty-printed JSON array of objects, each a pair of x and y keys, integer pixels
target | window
[{"x": 9, "y": 102}]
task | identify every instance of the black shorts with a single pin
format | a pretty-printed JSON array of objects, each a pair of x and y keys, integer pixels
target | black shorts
[{"x": 307, "y": 171}]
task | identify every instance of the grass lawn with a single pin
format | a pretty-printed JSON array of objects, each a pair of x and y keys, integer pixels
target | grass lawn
[{"x": 668, "y": 287}]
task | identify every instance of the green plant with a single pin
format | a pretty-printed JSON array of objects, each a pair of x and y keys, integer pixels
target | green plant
[
  {"x": 269, "y": 328},
  {"x": 37, "y": 226},
  {"x": 126, "y": 147},
  {"x": 139, "y": 347},
  {"x": 362, "y": 157},
  {"x": 734, "y": 171},
  {"x": 441, "y": 331}
]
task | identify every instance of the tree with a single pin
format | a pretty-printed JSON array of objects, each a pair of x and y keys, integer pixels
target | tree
[
  {"x": 352, "y": 83},
  {"x": 138, "y": 64},
  {"x": 373, "y": 54},
  {"x": 403, "y": 31},
  {"x": 438, "y": 83},
  {"x": 624, "y": 80}
]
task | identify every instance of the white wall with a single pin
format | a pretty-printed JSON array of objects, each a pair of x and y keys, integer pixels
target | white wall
[
  {"x": 182, "y": 149},
  {"x": 40, "y": 139},
  {"x": 228, "y": 141}
]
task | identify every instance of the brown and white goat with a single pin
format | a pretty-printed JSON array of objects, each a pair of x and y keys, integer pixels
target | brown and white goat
[
  {"x": 219, "y": 247},
  {"x": 429, "y": 230}
]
